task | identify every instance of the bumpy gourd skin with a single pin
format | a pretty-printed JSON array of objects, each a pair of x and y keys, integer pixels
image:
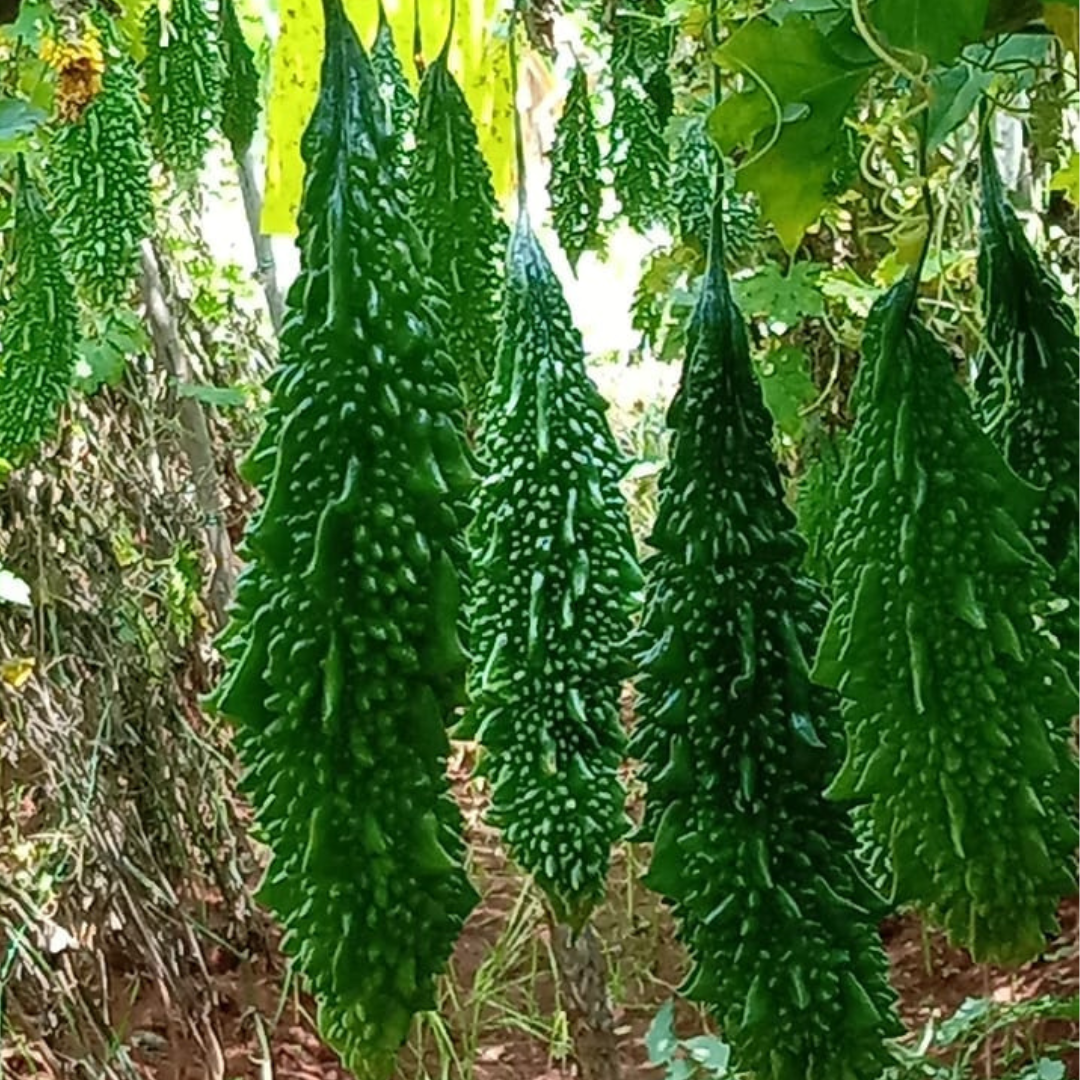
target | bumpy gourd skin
[
  {"x": 574, "y": 183},
  {"x": 99, "y": 173},
  {"x": 737, "y": 744},
  {"x": 554, "y": 577},
  {"x": 183, "y": 77},
  {"x": 38, "y": 329},
  {"x": 955, "y": 705},
  {"x": 1028, "y": 384},
  {"x": 343, "y": 655},
  {"x": 641, "y": 93},
  {"x": 397, "y": 97},
  {"x": 240, "y": 82},
  {"x": 458, "y": 217}
]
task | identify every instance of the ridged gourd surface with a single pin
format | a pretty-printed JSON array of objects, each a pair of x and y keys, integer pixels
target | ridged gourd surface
[
  {"x": 38, "y": 328},
  {"x": 554, "y": 580},
  {"x": 737, "y": 745},
  {"x": 574, "y": 185},
  {"x": 955, "y": 703},
  {"x": 240, "y": 81},
  {"x": 458, "y": 217},
  {"x": 183, "y": 79},
  {"x": 99, "y": 175},
  {"x": 1028, "y": 382},
  {"x": 343, "y": 655}
]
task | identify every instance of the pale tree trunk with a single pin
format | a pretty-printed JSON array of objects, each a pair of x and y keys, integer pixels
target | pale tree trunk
[
  {"x": 194, "y": 433},
  {"x": 584, "y": 984},
  {"x": 265, "y": 267}
]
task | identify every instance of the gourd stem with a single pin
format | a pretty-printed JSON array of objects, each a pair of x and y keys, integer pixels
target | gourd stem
[
  {"x": 716, "y": 232},
  {"x": 927, "y": 199},
  {"x": 519, "y": 138}
]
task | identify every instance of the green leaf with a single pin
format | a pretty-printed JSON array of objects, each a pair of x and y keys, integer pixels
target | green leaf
[
  {"x": 969, "y": 1014},
  {"x": 938, "y": 29},
  {"x": 784, "y": 374},
  {"x": 710, "y": 1053},
  {"x": 787, "y": 298},
  {"x": 795, "y": 129},
  {"x": 18, "y": 121},
  {"x": 660, "y": 1041},
  {"x": 681, "y": 1069},
  {"x": 223, "y": 397},
  {"x": 13, "y": 590}
]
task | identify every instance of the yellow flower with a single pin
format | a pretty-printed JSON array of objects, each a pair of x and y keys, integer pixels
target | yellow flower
[{"x": 79, "y": 65}]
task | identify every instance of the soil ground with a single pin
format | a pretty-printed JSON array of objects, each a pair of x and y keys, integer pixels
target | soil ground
[{"x": 501, "y": 1015}]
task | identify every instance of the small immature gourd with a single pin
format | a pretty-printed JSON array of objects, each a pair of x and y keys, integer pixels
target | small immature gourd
[
  {"x": 343, "y": 654},
  {"x": 574, "y": 183},
  {"x": 554, "y": 576},
  {"x": 239, "y": 81},
  {"x": 955, "y": 703},
  {"x": 737, "y": 744},
  {"x": 38, "y": 328}
]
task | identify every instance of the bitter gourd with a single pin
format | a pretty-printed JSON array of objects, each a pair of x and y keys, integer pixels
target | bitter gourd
[
  {"x": 182, "y": 74},
  {"x": 397, "y": 98},
  {"x": 99, "y": 174},
  {"x": 38, "y": 328},
  {"x": 554, "y": 574},
  {"x": 455, "y": 210},
  {"x": 954, "y": 703},
  {"x": 737, "y": 744},
  {"x": 638, "y": 152},
  {"x": 1028, "y": 379},
  {"x": 240, "y": 82},
  {"x": 343, "y": 652},
  {"x": 574, "y": 186}
]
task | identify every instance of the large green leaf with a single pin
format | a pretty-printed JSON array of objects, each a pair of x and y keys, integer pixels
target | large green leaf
[
  {"x": 938, "y": 29},
  {"x": 802, "y": 78}
]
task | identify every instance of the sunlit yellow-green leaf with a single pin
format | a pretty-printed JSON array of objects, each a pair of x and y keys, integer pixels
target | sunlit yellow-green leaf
[{"x": 479, "y": 61}]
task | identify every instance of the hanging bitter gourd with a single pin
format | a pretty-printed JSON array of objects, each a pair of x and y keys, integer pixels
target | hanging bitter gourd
[
  {"x": 343, "y": 652},
  {"x": 1028, "y": 379},
  {"x": 456, "y": 213},
  {"x": 955, "y": 705},
  {"x": 38, "y": 328},
  {"x": 397, "y": 98},
  {"x": 183, "y": 77},
  {"x": 554, "y": 576},
  {"x": 240, "y": 82},
  {"x": 638, "y": 151},
  {"x": 99, "y": 174},
  {"x": 574, "y": 186},
  {"x": 737, "y": 744}
]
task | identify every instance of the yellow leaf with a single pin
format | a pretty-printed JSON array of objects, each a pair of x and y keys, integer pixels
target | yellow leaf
[
  {"x": 479, "y": 59},
  {"x": 1067, "y": 179},
  {"x": 17, "y": 672},
  {"x": 1064, "y": 20}
]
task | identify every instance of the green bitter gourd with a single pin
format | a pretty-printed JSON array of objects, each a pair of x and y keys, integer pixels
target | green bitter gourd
[
  {"x": 554, "y": 575},
  {"x": 38, "y": 328},
  {"x": 183, "y": 77},
  {"x": 1028, "y": 379},
  {"x": 397, "y": 97},
  {"x": 343, "y": 653},
  {"x": 458, "y": 217},
  {"x": 737, "y": 744},
  {"x": 574, "y": 186},
  {"x": 955, "y": 704},
  {"x": 239, "y": 84},
  {"x": 638, "y": 153},
  {"x": 99, "y": 175}
]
